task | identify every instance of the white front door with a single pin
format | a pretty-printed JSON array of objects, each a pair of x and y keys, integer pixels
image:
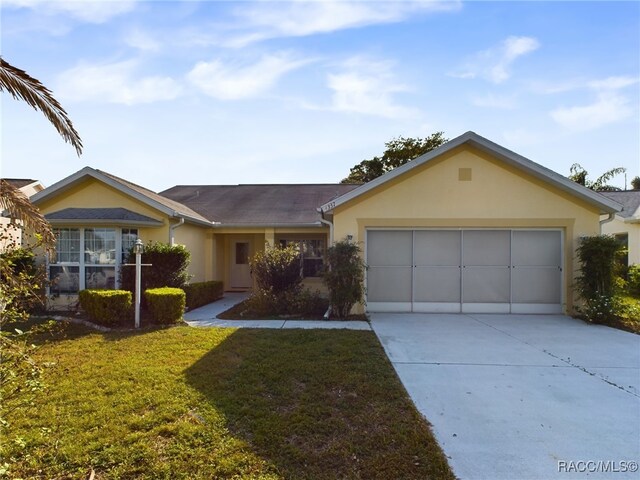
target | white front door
[{"x": 240, "y": 273}]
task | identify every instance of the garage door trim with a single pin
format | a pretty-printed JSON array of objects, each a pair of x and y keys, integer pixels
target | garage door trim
[{"x": 411, "y": 304}]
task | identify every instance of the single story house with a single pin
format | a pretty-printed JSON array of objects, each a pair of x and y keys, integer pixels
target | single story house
[
  {"x": 469, "y": 226},
  {"x": 625, "y": 225}
]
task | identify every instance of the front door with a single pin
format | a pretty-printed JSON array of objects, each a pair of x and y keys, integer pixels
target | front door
[{"x": 240, "y": 273}]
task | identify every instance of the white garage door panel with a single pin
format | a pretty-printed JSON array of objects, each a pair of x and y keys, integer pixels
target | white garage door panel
[
  {"x": 486, "y": 247},
  {"x": 437, "y": 247},
  {"x": 485, "y": 285},
  {"x": 390, "y": 248},
  {"x": 389, "y": 284},
  {"x": 500, "y": 271},
  {"x": 437, "y": 284}
]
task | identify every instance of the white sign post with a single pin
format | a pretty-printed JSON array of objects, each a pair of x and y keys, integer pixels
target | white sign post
[{"x": 138, "y": 249}]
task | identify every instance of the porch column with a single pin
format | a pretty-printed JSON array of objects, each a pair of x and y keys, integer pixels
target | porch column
[{"x": 270, "y": 236}]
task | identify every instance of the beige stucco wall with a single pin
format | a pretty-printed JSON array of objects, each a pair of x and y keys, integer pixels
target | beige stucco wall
[
  {"x": 94, "y": 194},
  {"x": 497, "y": 196},
  {"x": 198, "y": 240},
  {"x": 632, "y": 229}
]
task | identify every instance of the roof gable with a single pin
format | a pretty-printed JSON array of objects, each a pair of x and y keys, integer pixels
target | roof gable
[
  {"x": 509, "y": 157},
  {"x": 146, "y": 196}
]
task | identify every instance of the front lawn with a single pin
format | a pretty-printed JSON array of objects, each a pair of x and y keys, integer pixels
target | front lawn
[{"x": 220, "y": 403}]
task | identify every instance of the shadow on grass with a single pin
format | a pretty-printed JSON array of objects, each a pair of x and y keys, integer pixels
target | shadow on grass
[{"x": 318, "y": 404}]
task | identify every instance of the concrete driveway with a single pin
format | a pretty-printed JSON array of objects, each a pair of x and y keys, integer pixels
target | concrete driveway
[{"x": 522, "y": 396}]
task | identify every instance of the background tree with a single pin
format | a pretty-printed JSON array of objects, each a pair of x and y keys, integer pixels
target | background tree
[
  {"x": 398, "y": 152},
  {"x": 635, "y": 183},
  {"x": 579, "y": 175}
]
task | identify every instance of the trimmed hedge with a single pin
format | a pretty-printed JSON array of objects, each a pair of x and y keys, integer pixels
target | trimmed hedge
[
  {"x": 201, "y": 293},
  {"x": 166, "y": 304},
  {"x": 107, "y": 307}
]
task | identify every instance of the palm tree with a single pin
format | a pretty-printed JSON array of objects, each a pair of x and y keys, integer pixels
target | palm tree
[
  {"x": 579, "y": 175},
  {"x": 22, "y": 86}
]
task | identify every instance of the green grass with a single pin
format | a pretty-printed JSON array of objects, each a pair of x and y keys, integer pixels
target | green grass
[
  {"x": 243, "y": 311},
  {"x": 220, "y": 403},
  {"x": 630, "y": 318}
]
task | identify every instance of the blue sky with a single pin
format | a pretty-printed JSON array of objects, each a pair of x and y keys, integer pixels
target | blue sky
[{"x": 165, "y": 93}]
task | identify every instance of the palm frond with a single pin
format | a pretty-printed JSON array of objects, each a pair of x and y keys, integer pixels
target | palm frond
[
  {"x": 15, "y": 205},
  {"x": 601, "y": 182},
  {"x": 22, "y": 86}
]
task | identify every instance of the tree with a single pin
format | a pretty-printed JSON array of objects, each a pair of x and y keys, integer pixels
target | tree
[
  {"x": 22, "y": 86},
  {"x": 19, "y": 373},
  {"x": 580, "y": 175},
  {"x": 344, "y": 277},
  {"x": 398, "y": 152},
  {"x": 635, "y": 183}
]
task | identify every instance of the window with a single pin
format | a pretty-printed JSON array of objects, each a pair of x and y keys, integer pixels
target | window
[
  {"x": 129, "y": 237},
  {"x": 311, "y": 255},
  {"x": 103, "y": 251}
]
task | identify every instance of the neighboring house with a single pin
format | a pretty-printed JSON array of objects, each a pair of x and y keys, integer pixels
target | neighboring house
[
  {"x": 12, "y": 235},
  {"x": 625, "y": 226},
  {"x": 470, "y": 226}
]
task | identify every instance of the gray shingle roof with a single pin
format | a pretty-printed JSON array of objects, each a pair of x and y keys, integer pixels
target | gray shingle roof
[
  {"x": 629, "y": 199},
  {"x": 257, "y": 204},
  {"x": 19, "y": 182},
  {"x": 106, "y": 214},
  {"x": 167, "y": 202}
]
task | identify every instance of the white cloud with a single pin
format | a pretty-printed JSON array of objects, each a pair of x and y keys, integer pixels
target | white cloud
[
  {"x": 115, "y": 83},
  {"x": 494, "y": 64},
  {"x": 613, "y": 83},
  {"x": 141, "y": 41},
  {"x": 266, "y": 20},
  {"x": 236, "y": 81},
  {"x": 368, "y": 88},
  {"x": 92, "y": 11},
  {"x": 491, "y": 100},
  {"x": 608, "y": 108}
]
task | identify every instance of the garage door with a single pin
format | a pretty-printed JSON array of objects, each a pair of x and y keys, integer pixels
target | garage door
[{"x": 492, "y": 271}]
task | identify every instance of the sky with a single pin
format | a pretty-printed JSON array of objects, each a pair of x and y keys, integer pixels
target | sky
[{"x": 168, "y": 93}]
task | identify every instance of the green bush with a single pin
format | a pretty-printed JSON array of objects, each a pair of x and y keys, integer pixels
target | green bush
[
  {"x": 168, "y": 268},
  {"x": 166, "y": 305},
  {"x": 107, "y": 307},
  {"x": 277, "y": 269},
  {"x": 295, "y": 302},
  {"x": 202, "y": 293},
  {"x": 633, "y": 279},
  {"x": 344, "y": 277}
]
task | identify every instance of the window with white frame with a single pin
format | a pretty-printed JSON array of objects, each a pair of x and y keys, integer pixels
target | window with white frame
[
  {"x": 311, "y": 255},
  {"x": 88, "y": 258}
]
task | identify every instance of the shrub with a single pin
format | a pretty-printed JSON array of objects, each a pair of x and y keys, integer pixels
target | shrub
[
  {"x": 277, "y": 269},
  {"x": 168, "y": 268},
  {"x": 201, "y": 293},
  {"x": 344, "y": 277},
  {"x": 107, "y": 307},
  {"x": 297, "y": 302},
  {"x": 633, "y": 282},
  {"x": 166, "y": 304},
  {"x": 597, "y": 272},
  {"x": 22, "y": 282}
]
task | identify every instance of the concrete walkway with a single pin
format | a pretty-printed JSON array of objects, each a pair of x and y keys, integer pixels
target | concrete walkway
[
  {"x": 206, "y": 316},
  {"x": 522, "y": 396}
]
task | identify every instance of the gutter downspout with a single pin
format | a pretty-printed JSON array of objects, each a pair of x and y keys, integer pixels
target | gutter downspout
[
  {"x": 330, "y": 224},
  {"x": 611, "y": 217},
  {"x": 327, "y": 314},
  {"x": 172, "y": 227}
]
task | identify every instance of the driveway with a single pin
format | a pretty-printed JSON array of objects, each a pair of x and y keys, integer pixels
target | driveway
[{"x": 522, "y": 396}]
